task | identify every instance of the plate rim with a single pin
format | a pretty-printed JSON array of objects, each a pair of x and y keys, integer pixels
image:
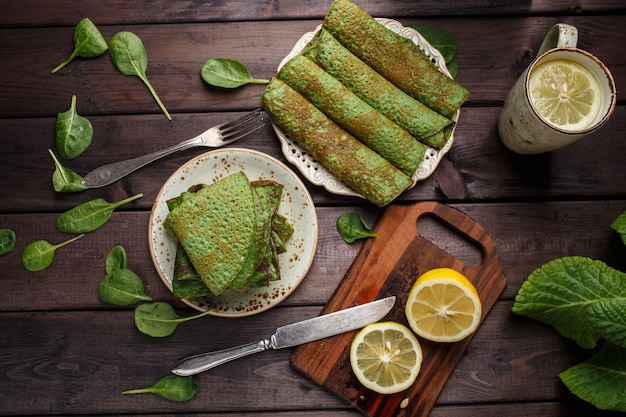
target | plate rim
[
  {"x": 312, "y": 231},
  {"x": 314, "y": 172}
]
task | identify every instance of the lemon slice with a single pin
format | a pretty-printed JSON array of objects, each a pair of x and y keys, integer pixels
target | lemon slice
[
  {"x": 443, "y": 306},
  {"x": 386, "y": 357},
  {"x": 565, "y": 94}
]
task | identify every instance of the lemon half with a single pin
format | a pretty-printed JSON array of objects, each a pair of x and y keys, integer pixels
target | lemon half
[
  {"x": 386, "y": 357},
  {"x": 443, "y": 306},
  {"x": 565, "y": 94}
]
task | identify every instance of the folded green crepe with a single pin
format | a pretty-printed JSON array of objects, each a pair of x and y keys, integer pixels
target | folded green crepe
[
  {"x": 410, "y": 114},
  {"x": 357, "y": 117},
  {"x": 218, "y": 227},
  {"x": 360, "y": 168},
  {"x": 394, "y": 57}
]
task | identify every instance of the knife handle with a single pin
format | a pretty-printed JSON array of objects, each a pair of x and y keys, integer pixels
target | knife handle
[{"x": 199, "y": 363}]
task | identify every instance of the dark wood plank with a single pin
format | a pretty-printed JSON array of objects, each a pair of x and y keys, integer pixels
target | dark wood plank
[
  {"x": 138, "y": 11},
  {"x": 65, "y": 360},
  {"x": 492, "y": 53}
]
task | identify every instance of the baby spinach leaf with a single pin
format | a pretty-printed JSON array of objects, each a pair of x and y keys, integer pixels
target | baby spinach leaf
[
  {"x": 64, "y": 180},
  {"x": 116, "y": 259},
  {"x": 171, "y": 387},
  {"x": 227, "y": 73},
  {"x": 351, "y": 227},
  {"x": 122, "y": 287},
  {"x": 7, "y": 241},
  {"x": 601, "y": 379},
  {"x": 88, "y": 43},
  {"x": 560, "y": 293},
  {"x": 39, "y": 254},
  {"x": 89, "y": 216},
  {"x": 159, "y": 319},
  {"x": 129, "y": 57},
  {"x": 72, "y": 133},
  {"x": 619, "y": 225},
  {"x": 445, "y": 42}
]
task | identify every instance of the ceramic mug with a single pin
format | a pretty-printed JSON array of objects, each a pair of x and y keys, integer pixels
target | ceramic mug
[{"x": 520, "y": 126}]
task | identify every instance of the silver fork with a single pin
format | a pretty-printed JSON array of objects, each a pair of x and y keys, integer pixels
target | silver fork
[{"x": 215, "y": 137}]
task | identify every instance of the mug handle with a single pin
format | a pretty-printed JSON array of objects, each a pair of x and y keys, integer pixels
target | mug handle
[{"x": 560, "y": 36}]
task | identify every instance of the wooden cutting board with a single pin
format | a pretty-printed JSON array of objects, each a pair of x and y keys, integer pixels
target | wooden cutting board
[{"x": 388, "y": 265}]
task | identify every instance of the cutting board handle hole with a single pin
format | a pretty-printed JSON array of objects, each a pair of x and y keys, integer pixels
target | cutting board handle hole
[{"x": 456, "y": 244}]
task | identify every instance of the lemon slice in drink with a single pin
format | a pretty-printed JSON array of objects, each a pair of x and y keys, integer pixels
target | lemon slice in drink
[
  {"x": 443, "y": 306},
  {"x": 386, "y": 357},
  {"x": 565, "y": 94}
]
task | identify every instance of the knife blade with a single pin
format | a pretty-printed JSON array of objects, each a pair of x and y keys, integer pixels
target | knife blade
[{"x": 294, "y": 334}]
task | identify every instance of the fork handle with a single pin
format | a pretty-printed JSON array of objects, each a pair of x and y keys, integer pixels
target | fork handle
[{"x": 108, "y": 174}]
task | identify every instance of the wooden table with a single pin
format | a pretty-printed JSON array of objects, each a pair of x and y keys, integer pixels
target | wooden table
[{"x": 64, "y": 352}]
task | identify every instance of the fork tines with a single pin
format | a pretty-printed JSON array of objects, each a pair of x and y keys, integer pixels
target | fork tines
[{"x": 236, "y": 129}]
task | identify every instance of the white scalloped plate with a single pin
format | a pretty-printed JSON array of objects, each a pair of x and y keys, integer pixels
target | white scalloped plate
[
  {"x": 296, "y": 205},
  {"x": 315, "y": 172}
]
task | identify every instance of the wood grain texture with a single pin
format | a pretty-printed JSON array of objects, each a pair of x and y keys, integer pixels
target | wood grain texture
[{"x": 389, "y": 265}]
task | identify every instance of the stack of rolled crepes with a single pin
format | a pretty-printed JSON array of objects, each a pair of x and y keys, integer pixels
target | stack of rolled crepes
[{"x": 365, "y": 102}]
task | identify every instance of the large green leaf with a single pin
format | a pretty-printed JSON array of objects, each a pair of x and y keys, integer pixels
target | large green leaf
[
  {"x": 561, "y": 292},
  {"x": 619, "y": 225},
  {"x": 601, "y": 379},
  {"x": 608, "y": 317}
]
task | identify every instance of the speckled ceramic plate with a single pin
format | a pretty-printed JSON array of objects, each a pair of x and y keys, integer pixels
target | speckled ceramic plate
[
  {"x": 315, "y": 172},
  {"x": 296, "y": 205}
]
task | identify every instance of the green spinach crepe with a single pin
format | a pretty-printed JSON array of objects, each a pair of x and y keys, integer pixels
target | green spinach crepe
[
  {"x": 394, "y": 57},
  {"x": 344, "y": 156},
  {"x": 225, "y": 234},
  {"x": 357, "y": 117},
  {"x": 410, "y": 114}
]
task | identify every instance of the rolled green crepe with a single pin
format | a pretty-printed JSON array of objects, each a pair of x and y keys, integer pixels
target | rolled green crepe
[
  {"x": 419, "y": 120},
  {"x": 357, "y": 117},
  {"x": 394, "y": 57},
  {"x": 344, "y": 156}
]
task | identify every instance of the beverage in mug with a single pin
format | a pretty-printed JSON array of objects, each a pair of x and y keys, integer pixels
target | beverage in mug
[{"x": 565, "y": 94}]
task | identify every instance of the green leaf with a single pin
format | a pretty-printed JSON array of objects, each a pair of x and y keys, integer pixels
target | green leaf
[
  {"x": 227, "y": 73},
  {"x": 351, "y": 227},
  {"x": 122, "y": 287},
  {"x": 601, "y": 379},
  {"x": 39, "y": 255},
  {"x": 89, "y": 216},
  {"x": 129, "y": 57},
  {"x": 116, "y": 259},
  {"x": 64, "y": 180},
  {"x": 72, "y": 132},
  {"x": 171, "y": 387},
  {"x": 7, "y": 241},
  {"x": 88, "y": 43},
  {"x": 561, "y": 292},
  {"x": 619, "y": 225},
  {"x": 445, "y": 42},
  {"x": 159, "y": 319},
  {"x": 608, "y": 318}
]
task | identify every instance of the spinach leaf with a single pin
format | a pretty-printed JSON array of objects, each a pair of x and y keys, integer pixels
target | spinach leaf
[
  {"x": 601, "y": 379},
  {"x": 561, "y": 292},
  {"x": 122, "y": 287},
  {"x": 7, "y": 241},
  {"x": 64, "y": 180},
  {"x": 442, "y": 40},
  {"x": 116, "y": 259},
  {"x": 39, "y": 254},
  {"x": 129, "y": 57},
  {"x": 88, "y": 42},
  {"x": 619, "y": 225},
  {"x": 159, "y": 319},
  {"x": 171, "y": 387},
  {"x": 227, "y": 73},
  {"x": 89, "y": 216},
  {"x": 351, "y": 227},
  {"x": 72, "y": 132}
]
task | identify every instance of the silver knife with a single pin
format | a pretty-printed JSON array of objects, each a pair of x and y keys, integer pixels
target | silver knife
[{"x": 293, "y": 334}]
